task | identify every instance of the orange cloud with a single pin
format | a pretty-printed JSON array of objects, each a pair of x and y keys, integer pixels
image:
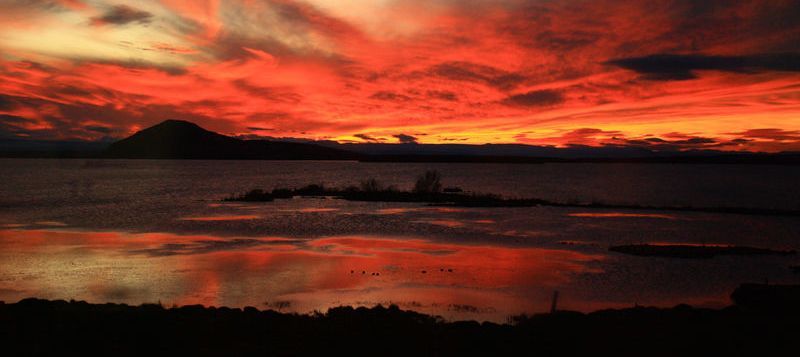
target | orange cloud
[{"x": 555, "y": 73}]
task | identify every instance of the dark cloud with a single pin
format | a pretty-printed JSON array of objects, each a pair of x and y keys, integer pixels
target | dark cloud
[
  {"x": 99, "y": 129},
  {"x": 659, "y": 144},
  {"x": 73, "y": 90},
  {"x": 33, "y": 5},
  {"x": 768, "y": 139},
  {"x": 366, "y": 137},
  {"x": 583, "y": 133},
  {"x": 390, "y": 96},
  {"x": 230, "y": 45},
  {"x": 473, "y": 72},
  {"x": 312, "y": 18},
  {"x": 270, "y": 116},
  {"x": 689, "y": 142},
  {"x": 565, "y": 41},
  {"x": 770, "y": 134},
  {"x": 442, "y": 95},
  {"x": 6, "y": 103},
  {"x": 679, "y": 67},
  {"x": 670, "y": 142},
  {"x": 406, "y": 139},
  {"x": 538, "y": 98},
  {"x": 134, "y": 64},
  {"x": 122, "y": 15},
  {"x": 302, "y": 20},
  {"x": 711, "y": 24},
  {"x": 276, "y": 94},
  {"x": 258, "y": 128},
  {"x": 11, "y": 126}
]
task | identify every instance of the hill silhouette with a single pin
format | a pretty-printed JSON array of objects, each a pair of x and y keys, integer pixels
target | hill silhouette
[{"x": 178, "y": 139}]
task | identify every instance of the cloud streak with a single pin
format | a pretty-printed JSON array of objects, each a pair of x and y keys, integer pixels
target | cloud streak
[
  {"x": 122, "y": 15},
  {"x": 678, "y": 67},
  {"x": 552, "y": 72},
  {"x": 405, "y": 139}
]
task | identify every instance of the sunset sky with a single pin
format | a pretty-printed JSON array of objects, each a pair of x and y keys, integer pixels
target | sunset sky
[{"x": 672, "y": 74}]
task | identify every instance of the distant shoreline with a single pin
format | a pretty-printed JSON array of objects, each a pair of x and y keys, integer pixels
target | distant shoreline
[
  {"x": 476, "y": 200},
  {"x": 785, "y": 159},
  {"x": 181, "y": 140}
]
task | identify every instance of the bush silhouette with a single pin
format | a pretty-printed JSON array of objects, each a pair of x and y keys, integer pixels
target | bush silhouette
[
  {"x": 371, "y": 185},
  {"x": 429, "y": 182}
]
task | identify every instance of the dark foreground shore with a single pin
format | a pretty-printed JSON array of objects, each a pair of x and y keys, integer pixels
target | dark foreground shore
[{"x": 754, "y": 327}]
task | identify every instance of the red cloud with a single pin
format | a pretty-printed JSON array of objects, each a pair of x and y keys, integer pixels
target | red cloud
[{"x": 482, "y": 72}]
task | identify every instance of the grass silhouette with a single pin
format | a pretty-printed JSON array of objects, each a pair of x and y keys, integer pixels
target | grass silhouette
[
  {"x": 764, "y": 321},
  {"x": 428, "y": 189}
]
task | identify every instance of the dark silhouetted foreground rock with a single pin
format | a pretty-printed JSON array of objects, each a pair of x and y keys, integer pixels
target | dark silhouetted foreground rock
[
  {"x": 767, "y": 297},
  {"x": 39, "y": 327}
]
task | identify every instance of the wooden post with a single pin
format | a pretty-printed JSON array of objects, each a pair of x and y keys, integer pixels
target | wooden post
[{"x": 554, "y": 305}]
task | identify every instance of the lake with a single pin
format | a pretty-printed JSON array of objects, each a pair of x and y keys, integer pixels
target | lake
[{"x": 137, "y": 231}]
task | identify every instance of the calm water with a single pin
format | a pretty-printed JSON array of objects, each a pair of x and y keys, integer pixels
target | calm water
[{"x": 147, "y": 231}]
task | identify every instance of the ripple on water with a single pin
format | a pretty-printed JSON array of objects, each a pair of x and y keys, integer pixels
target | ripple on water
[
  {"x": 221, "y": 218},
  {"x": 459, "y": 281}
]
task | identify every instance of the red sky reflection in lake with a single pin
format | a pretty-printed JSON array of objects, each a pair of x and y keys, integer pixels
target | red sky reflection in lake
[
  {"x": 221, "y": 218},
  {"x": 456, "y": 281},
  {"x": 621, "y": 215}
]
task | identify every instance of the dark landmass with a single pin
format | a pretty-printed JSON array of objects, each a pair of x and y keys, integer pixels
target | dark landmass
[
  {"x": 787, "y": 158},
  {"x": 465, "y": 199},
  {"x": 21, "y": 145},
  {"x": 522, "y": 153},
  {"x": 764, "y": 321},
  {"x": 768, "y": 297},
  {"x": 50, "y": 154},
  {"x": 16, "y": 148},
  {"x": 693, "y": 251},
  {"x": 176, "y": 139},
  {"x": 481, "y": 159}
]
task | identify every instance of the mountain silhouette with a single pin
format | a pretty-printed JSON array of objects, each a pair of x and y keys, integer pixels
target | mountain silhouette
[{"x": 178, "y": 139}]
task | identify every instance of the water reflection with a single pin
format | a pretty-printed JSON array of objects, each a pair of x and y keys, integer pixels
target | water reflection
[
  {"x": 316, "y": 210},
  {"x": 396, "y": 210},
  {"x": 442, "y": 222},
  {"x": 457, "y": 281},
  {"x": 621, "y": 215},
  {"x": 222, "y": 218},
  {"x": 51, "y": 223}
]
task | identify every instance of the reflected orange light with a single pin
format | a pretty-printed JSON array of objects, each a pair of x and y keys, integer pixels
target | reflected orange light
[
  {"x": 221, "y": 218},
  {"x": 621, "y": 215},
  {"x": 315, "y": 274}
]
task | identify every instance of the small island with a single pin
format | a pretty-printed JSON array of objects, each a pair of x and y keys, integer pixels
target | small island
[{"x": 429, "y": 189}]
